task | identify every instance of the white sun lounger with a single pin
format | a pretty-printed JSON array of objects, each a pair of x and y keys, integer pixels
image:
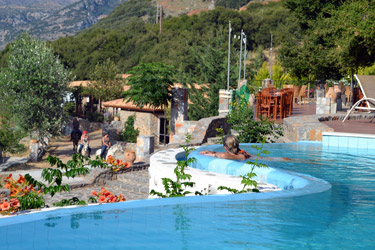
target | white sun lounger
[{"x": 367, "y": 85}]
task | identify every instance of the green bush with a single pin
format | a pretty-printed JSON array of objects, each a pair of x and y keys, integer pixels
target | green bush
[
  {"x": 69, "y": 108},
  {"x": 129, "y": 134},
  {"x": 251, "y": 131},
  {"x": 94, "y": 117}
]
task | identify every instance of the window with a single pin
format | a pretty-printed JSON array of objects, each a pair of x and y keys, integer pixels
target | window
[{"x": 163, "y": 131}]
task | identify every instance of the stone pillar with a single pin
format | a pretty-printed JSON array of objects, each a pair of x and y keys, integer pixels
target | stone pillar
[
  {"x": 324, "y": 105},
  {"x": 225, "y": 98},
  {"x": 179, "y": 107},
  {"x": 34, "y": 146},
  {"x": 145, "y": 146}
]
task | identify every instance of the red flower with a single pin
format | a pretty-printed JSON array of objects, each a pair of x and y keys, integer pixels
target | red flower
[
  {"x": 94, "y": 193},
  {"x": 9, "y": 177},
  {"x": 21, "y": 179},
  {"x": 102, "y": 199},
  {"x": 5, "y": 206}
]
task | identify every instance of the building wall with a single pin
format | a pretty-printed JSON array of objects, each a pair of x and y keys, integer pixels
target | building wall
[{"x": 146, "y": 122}]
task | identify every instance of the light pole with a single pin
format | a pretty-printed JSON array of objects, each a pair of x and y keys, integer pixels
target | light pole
[
  {"x": 244, "y": 58},
  {"x": 229, "y": 34},
  {"x": 239, "y": 71},
  {"x": 271, "y": 59}
]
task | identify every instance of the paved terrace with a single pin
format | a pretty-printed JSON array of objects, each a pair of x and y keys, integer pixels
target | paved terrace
[{"x": 304, "y": 124}]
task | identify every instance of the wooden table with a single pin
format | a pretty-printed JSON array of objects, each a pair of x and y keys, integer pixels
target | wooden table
[{"x": 278, "y": 98}]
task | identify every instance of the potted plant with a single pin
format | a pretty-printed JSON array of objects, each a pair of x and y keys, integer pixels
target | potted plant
[{"x": 116, "y": 117}]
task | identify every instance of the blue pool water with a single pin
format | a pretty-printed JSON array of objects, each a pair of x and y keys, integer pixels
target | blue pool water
[{"x": 342, "y": 217}]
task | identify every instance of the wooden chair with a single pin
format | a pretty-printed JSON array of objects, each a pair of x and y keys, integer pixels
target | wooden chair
[
  {"x": 288, "y": 99},
  {"x": 279, "y": 105},
  {"x": 302, "y": 94},
  {"x": 266, "y": 105},
  {"x": 296, "y": 89},
  {"x": 348, "y": 93},
  {"x": 288, "y": 86}
]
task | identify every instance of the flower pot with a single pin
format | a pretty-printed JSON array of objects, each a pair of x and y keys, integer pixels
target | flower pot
[
  {"x": 130, "y": 157},
  {"x": 116, "y": 118},
  {"x": 33, "y": 141}
]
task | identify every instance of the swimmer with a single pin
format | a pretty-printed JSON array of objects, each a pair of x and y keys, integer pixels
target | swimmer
[{"x": 232, "y": 150}]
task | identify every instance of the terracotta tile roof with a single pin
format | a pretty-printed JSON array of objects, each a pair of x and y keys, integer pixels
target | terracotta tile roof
[
  {"x": 78, "y": 84},
  {"x": 119, "y": 103}
]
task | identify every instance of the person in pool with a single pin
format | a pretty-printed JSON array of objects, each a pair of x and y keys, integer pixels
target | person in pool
[{"x": 232, "y": 150}]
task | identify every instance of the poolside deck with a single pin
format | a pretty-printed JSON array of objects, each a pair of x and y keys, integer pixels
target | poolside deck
[{"x": 349, "y": 126}]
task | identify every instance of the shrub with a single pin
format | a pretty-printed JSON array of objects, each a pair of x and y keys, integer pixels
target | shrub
[
  {"x": 251, "y": 131},
  {"x": 129, "y": 134},
  {"x": 94, "y": 116},
  {"x": 69, "y": 108}
]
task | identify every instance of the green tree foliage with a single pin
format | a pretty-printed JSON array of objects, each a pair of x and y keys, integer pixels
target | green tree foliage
[
  {"x": 129, "y": 134},
  {"x": 262, "y": 74},
  {"x": 34, "y": 85},
  {"x": 106, "y": 82},
  {"x": 335, "y": 38},
  {"x": 211, "y": 62},
  {"x": 150, "y": 84},
  {"x": 131, "y": 40},
  {"x": 9, "y": 136}
]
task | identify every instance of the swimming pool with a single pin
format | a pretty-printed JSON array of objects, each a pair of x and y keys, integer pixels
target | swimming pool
[{"x": 341, "y": 217}]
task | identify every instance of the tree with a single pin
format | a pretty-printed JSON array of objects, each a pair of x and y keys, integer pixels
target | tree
[
  {"x": 150, "y": 84},
  {"x": 34, "y": 86},
  {"x": 262, "y": 74},
  {"x": 9, "y": 136},
  {"x": 106, "y": 83}
]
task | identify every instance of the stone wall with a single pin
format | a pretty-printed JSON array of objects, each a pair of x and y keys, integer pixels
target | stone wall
[
  {"x": 200, "y": 130},
  {"x": 310, "y": 128},
  {"x": 147, "y": 123}
]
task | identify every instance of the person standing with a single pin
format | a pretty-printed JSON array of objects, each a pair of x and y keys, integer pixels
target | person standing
[{"x": 105, "y": 144}]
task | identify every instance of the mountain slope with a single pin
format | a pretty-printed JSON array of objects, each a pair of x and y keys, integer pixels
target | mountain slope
[{"x": 50, "y": 19}]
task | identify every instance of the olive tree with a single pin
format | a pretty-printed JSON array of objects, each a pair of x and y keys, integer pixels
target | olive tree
[{"x": 33, "y": 86}]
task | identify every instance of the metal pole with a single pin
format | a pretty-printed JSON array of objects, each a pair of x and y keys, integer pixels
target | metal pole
[
  {"x": 244, "y": 59},
  {"x": 161, "y": 15},
  {"x": 239, "y": 71},
  {"x": 229, "y": 34},
  {"x": 157, "y": 13},
  {"x": 271, "y": 60}
]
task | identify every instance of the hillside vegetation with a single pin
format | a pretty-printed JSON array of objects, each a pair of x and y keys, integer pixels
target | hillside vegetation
[{"x": 127, "y": 39}]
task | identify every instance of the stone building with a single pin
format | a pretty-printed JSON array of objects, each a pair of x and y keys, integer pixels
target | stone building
[{"x": 149, "y": 121}]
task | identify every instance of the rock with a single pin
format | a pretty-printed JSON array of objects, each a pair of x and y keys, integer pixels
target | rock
[{"x": 114, "y": 150}]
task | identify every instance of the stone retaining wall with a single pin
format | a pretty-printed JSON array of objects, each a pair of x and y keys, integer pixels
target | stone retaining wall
[
  {"x": 99, "y": 177},
  {"x": 310, "y": 128},
  {"x": 200, "y": 130}
]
